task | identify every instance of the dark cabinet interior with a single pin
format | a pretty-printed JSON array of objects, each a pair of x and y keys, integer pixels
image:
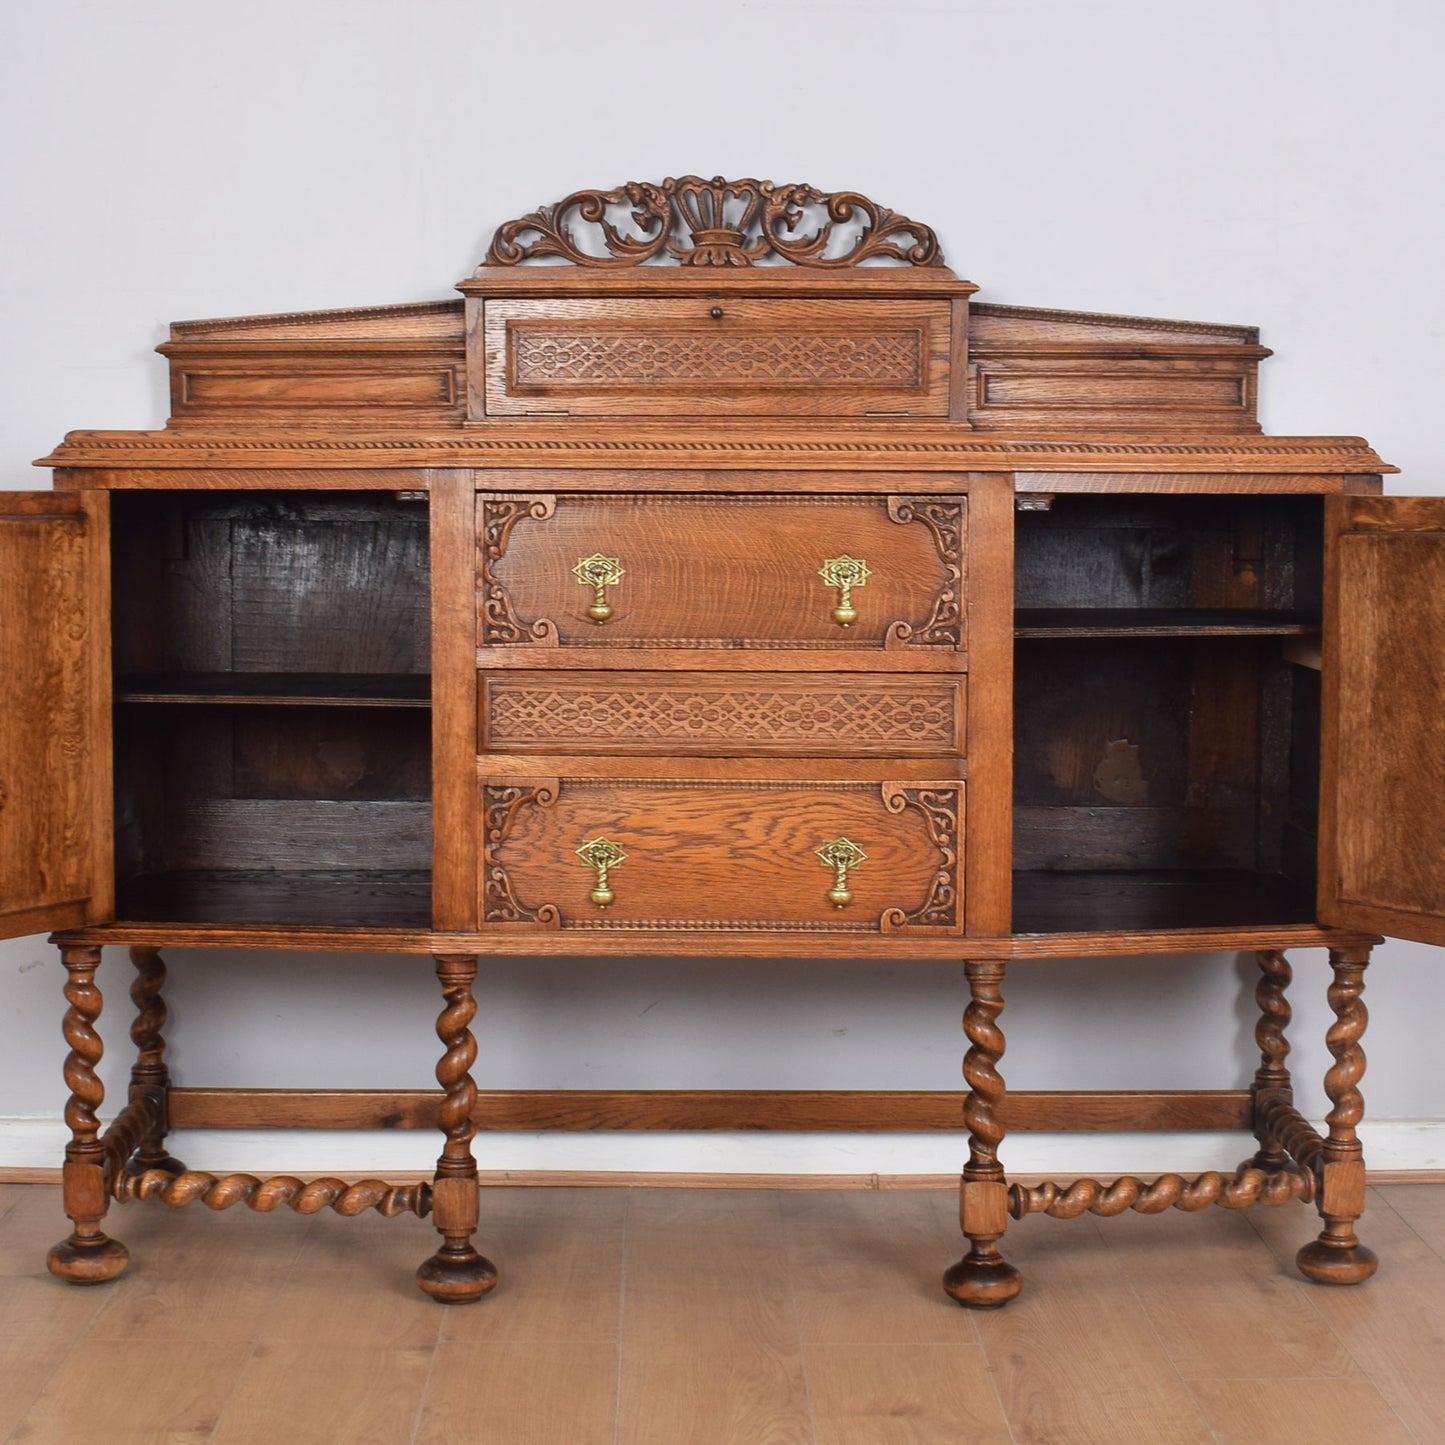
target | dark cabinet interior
[
  {"x": 273, "y": 732},
  {"x": 1166, "y": 712}
]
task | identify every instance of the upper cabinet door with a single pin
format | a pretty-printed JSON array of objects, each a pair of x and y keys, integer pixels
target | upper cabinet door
[
  {"x": 1382, "y": 819},
  {"x": 54, "y": 712}
]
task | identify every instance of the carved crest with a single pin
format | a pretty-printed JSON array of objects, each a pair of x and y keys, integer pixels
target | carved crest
[{"x": 697, "y": 222}]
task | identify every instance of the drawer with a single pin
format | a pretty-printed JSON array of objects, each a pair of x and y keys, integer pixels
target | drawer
[
  {"x": 720, "y": 572},
  {"x": 686, "y": 853},
  {"x": 716, "y": 356},
  {"x": 716, "y": 714}
]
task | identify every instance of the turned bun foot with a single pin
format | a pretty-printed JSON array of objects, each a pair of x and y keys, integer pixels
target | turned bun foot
[
  {"x": 982, "y": 1284},
  {"x": 456, "y": 1276},
  {"x": 1326, "y": 1263},
  {"x": 88, "y": 1261}
]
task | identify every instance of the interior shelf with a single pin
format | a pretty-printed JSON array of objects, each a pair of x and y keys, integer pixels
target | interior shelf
[
  {"x": 1161, "y": 622},
  {"x": 308, "y": 689},
  {"x": 321, "y": 898},
  {"x": 1123, "y": 901}
]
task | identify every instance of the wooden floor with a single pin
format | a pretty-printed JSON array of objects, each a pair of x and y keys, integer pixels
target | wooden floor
[{"x": 681, "y": 1317}]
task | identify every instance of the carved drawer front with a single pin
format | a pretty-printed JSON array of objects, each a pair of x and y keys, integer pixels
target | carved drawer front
[
  {"x": 719, "y": 355},
  {"x": 858, "y": 573},
  {"x": 664, "y": 854},
  {"x": 715, "y": 714}
]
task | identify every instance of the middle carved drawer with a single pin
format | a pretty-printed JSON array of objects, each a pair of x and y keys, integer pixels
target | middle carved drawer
[{"x": 721, "y": 713}]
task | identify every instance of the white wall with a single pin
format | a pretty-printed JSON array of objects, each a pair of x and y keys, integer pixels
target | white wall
[{"x": 1276, "y": 163}]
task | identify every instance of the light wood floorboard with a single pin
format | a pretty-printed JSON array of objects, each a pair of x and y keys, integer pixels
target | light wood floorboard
[
  {"x": 1394, "y": 1324},
  {"x": 708, "y": 1317}
]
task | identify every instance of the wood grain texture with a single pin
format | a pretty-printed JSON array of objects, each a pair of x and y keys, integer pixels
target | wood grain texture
[
  {"x": 532, "y": 1391},
  {"x": 930, "y": 1394},
  {"x": 710, "y": 1343},
  {"x": 706, "y": 714},
  {"x": 370, "y": 1398},
  {"x": 808, "y": 1110},
  {"x": 455, "y": 821},
  {"x": 92, "y": 1395},
  {"x": 38, "y": 1327},
  {"x": 864, "y": 1271},
  {"x": 721, "y": 854},
  {"x": 718, "y": 355},
  {"x": 720, "y": 572},
  {"x": 547, "y": 1366},
  {"x": 1233, "y": 1315},
  {"x": 1194, "y": 482},
  {"x": 990, "y": 590},
  {"x": 1392, "y": 1327},
  {"x": 1383, "y": 806},
  {"x": 1240, "y": 1412},
  {"x": 55, "y": 830},
  {"x": 1084, "y": 1324}
]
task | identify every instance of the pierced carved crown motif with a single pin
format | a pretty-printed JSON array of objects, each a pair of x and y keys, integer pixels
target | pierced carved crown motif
[{"x": 696, "y": 222}]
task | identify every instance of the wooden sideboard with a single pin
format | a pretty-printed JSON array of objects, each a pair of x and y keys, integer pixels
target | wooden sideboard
[{"x": 716, "y": 578}]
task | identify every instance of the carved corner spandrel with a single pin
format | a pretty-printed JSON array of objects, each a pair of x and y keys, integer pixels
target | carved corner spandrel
[
  {"x": 497, "y": 621},
  {"x": 941, "y": 807},
  {"x": 944, "y": 520},
  {"x": 500, "y": 805}
]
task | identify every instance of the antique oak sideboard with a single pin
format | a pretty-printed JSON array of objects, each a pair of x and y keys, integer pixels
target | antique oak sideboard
[{"x": 715, "y": 578}]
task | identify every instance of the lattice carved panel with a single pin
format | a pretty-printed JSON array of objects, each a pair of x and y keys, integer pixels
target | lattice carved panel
[
  {"x": 777, "y": 715},
  {"x": 551, "y": 357}
]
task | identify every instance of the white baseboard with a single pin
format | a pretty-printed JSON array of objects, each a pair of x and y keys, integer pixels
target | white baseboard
[{"x": 1391, "y": 1146}]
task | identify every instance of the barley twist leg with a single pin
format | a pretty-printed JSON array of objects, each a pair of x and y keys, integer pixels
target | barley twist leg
[
  {"x": 456, "y": 1273},
  {"x": 1272, "y": 1078},
  {"x": 150, "y": 1079},
  {"x": 983, "y": 1279},
  {"x": 1337, "y": 1256},
  {"x": 89, "y": 1255}
]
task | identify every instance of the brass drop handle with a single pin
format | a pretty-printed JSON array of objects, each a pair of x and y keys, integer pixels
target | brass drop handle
[
  {"x": 599, "y": 573},
  {"x": 845, "y": 573},
  {"x": 840, "y": 855},
  {"x": 603, "y": 855}
]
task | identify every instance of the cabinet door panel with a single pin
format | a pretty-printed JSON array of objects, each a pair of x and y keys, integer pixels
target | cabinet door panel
[
  {"x": 1382, "y": 833},
  {"x": 54, "y": 730}
]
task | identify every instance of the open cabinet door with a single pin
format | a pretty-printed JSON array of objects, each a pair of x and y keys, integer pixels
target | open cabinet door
[
  {"x": 1382, "y": 813},
  {"x": 55, "y": 810}
]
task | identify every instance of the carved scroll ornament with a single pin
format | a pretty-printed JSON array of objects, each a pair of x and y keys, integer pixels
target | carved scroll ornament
[
  {"x": 942, "y": 810},
  {"x": 698, "y": 222}
]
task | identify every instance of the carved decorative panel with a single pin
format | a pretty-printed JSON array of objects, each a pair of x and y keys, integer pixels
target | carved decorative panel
[
  {"x": 944, "y": 522},
  {"x": 499, "y": 809},
  {"x": 713, "y": 356},
  {"x": 716, "y": 222},
  {"x": 704, "y": 713},
  {"x": 942, "y": 811},
  {"x": 540, "y": 356},
  {"x": 712, "y": 571},
  {"x": 724, "y": 855}
]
